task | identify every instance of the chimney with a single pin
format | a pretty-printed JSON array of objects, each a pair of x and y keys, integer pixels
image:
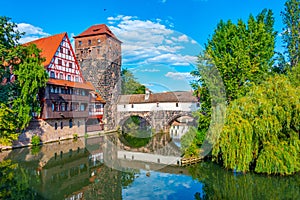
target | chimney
[{"x": 147, "y": 94}]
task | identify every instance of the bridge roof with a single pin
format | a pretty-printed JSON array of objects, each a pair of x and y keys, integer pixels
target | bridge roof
[{"x": 185, "y": 96}]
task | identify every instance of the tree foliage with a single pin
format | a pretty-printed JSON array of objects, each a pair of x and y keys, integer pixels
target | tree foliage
[
  {"x": 235, "y": 58},
  {"x": 130, "y": 85},
  {"x": 19, "y": 96},
  {"x": 262, "y": 130},
  {"x": 242, "y": 52},
  {"x": 291, "y": 33}
]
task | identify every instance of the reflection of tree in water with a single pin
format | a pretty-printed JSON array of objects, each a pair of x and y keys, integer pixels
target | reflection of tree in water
[
  {"x": 108, "y": 183},
  {"x": 222, "y": 184},
  {"x": 136, "y": 132},
  {"x": 16, "y": 182}
]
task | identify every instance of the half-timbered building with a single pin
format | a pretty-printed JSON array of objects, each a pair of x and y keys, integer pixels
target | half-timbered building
[{"x": 67, "y": 100}]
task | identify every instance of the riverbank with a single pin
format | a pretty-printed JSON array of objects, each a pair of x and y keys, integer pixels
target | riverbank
[{"x": 25, "y": 141}]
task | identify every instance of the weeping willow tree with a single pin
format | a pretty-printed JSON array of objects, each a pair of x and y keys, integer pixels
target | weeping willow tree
[{"x": 262, "y": 130}]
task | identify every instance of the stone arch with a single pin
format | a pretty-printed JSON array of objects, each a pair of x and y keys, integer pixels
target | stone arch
[
  {"x": 144, "y": 116},
  {"x": 171, "y": 119}
]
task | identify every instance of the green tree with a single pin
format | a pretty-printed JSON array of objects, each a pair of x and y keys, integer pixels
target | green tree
[
  {"x": 262, "y": 130},
  {"x": 243, "y": 52},
  {"x": 239, "y": 54},
  {"x": 19, "y": 97},
  {"x": 129, "y": 83},
  {"x": 291, "y": 33}
]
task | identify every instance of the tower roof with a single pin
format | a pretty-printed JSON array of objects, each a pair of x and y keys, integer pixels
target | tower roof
[
  {"x": 97, "y": 30},
  {"x": 48, "y": 45}
]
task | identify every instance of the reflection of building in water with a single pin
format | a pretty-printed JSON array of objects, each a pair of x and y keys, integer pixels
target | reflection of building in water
[
  {"x": 180, "y": 126},
  {"x": 70, "y": 170}
]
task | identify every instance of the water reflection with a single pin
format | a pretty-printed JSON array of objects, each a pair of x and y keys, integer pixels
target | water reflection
[
  {"x": 78, "y": 170},
  {"x": 222, "y": 184}
]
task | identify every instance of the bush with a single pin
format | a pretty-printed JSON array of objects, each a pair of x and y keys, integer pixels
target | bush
[{"x": 35, "y": 140}]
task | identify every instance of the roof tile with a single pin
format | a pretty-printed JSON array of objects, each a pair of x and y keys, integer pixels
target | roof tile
[
  {"x": 97, "y": 30},
  {"x": 49, "y": 46}
]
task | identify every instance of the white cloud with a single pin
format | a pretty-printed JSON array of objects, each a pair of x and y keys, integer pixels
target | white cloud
[
  {"x": 150, "y": 70},
  {"x": 146, "y": 41},
  {"x": 183, "y": 38},
  {"x": 31, "y": 32},
  {"x": 179, "y": 75}
]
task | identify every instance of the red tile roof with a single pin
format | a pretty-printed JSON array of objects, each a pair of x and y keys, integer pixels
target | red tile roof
[
  {"x": 85, "y": 85},
  {"x": 97, "y": 98},
  {"x": 49, "y": 46},
  {"x": 97, "y": 30},
  {"x": 184, "y": 96}
]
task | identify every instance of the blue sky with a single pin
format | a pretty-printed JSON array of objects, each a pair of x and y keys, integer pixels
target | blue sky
[{"x": 160, "y": 37}]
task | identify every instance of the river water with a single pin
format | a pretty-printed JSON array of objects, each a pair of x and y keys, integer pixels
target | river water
[{"x": 85, "y": 169}]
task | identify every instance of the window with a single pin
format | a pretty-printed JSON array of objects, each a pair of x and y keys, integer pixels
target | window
[
  {"x": 69, "y": 52},
  {"x": 62, "y": 106},
  {"x": 61, "y": 50},
  {"x": 132, "y": 106},
  {"x": 61, "y": 125},
  {"x": 55, "y": 126},
  {"x": 124, "y": 106},
  {"x": 157, "y": 104},
  {"x": 76, "y": 79},
  {"x": 53, "y": 106},
  {"x": 59, "y": 61},
  {"x": 83, "y": 106},
  {"x": 70, "y": 123},
  {"x": 52, "y": 74},
  {"x": 61, "y": 75},
  {"x": 176, "y": 104},
  {"x": 98, "y": 41},
  {"x": 79, "y": 43},
  {"x": 89, "y": 42},
  {"x": 78, "y": 123},
  {"x": 70, "y": 65},
  {"x": 69, "y": 77}
]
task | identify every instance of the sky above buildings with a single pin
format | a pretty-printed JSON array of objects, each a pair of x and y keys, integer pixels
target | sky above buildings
[{"x": 161, "y": 38}]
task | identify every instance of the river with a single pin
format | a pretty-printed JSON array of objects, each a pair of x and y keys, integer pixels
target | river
[{"x": 85, "y": 169}]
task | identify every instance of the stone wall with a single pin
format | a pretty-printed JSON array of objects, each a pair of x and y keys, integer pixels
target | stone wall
[
  {"x": 106, "y": 77},
  {"x": 47, "y": 131}
]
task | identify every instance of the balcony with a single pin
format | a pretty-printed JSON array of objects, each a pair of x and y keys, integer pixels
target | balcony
[
  {"x": 96, "y": 111},
  {"x": 68, "y": 97}
]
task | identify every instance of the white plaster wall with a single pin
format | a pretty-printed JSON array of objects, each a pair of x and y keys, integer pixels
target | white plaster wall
[{"x": 189, "y": 107}]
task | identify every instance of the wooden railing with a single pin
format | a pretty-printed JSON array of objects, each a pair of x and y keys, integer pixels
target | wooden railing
[{"x": 189, "y": 161}]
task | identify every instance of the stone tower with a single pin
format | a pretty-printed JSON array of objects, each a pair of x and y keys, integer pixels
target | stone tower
[{"x": 98, "y": 52}]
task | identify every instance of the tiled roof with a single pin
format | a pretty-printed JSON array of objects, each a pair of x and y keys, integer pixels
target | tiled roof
[
  {"x": 97, "y": 30},
  {"x": 49, "y": 46},
  {"x": 85, "y": 85},
  {"x": 97, "y": 98},
  {"x": 184, "y": 96}
]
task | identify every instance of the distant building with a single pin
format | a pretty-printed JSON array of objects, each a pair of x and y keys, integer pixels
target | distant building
[
  {"x": 69, "y": 104},
  {"x": 166, "y": 101},
  {"x": 98, "y": 51}
]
